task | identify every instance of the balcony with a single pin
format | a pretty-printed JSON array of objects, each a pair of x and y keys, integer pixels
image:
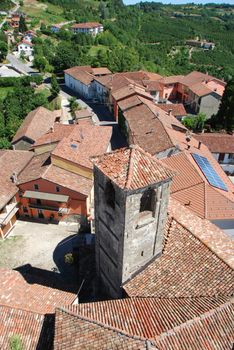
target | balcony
[
  {"x": 49, "y": 208},
  {"x": 9, "y": 211}
]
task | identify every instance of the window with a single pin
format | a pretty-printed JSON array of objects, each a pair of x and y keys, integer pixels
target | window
[
  {"x": 166, "y": 95},
  {"x": 57, "y": 189},
  {"x": 36, "y": 187},
  {"x": 221, "y": 157},
  {"x": 147, "y": 201},
  {"x": 38, "y": 201},
  {"x": 110, "y": 194},
  {"x": 25, "y": 209}
]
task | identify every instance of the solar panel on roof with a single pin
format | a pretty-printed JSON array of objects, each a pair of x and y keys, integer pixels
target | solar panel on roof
[{"x": 212, "y": 177}]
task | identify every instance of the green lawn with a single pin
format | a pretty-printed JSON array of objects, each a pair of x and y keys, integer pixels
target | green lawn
[{"x": 94, "y": 49}]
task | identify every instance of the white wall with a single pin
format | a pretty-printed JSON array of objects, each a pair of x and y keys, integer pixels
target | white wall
[{"x": 75, "y": 85}]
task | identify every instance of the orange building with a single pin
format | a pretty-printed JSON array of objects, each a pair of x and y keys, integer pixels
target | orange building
[{"x": 57, "y": 183}]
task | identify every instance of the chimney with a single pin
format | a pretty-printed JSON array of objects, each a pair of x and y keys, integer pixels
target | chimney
[
  {"x": 199, "y": 145},
  {"x": 51, "y": 129},
  {"x": 14, "y": 178}
]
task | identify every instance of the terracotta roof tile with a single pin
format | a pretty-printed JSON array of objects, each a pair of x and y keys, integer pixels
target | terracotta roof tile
[
  {"x": 85, "y": 141},
  {"x": 11, "y": 162},
  {"x": 35, "y": 124},
  {"x": 17, "y": 293},
  {"x": 59, "y": 132},
  {"x": 192, "y": 263},
  {"x": 130, "y": 90},
  {"x": 101, "y": 71},
  {"x": 177, "y": 109},
  {"x": 73, "y": 332},
  {"x": 172, "y": 79},
  {"x": 146, "y": 130},
  {"x": 35, "y": 168},
  {"x": 69, "y": 180},
  {"x": 200, "y": 89},
  {"x": 211, "y": 331},
  {"x": 132, "y": 168},
  {"x": 34, "y": 330},
  {"x": 83, "y": 113},
  {"x": 88, "y": 25},
  {"x": 129, "y": 102},
  {"x": 217, "y": 143},
  {"x": 145, "y": 317}
]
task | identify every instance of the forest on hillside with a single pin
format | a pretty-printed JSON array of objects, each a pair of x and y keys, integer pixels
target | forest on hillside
[
  {"x": 147, "y": 35},
  {"x": 5, "y": 5}
]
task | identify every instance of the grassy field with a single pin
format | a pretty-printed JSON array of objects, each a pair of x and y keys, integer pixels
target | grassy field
[
  {"x": 94, "y": 49},
  {"x": 41, "y": 12}
]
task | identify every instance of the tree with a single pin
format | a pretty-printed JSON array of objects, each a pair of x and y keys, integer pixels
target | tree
[
  {"x": 3, "y": 50},
  {"x": 224, "y": 119},
  {"x": 22, "y": 25},
  {"x": 54, "y": 86},
  {"x": 74, "y": 105},
  {"x": 195, "y": 123},
  {"x": 16, "y": 343}
]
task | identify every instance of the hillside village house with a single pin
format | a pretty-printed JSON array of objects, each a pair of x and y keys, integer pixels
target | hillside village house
[
  {"x": 25, "y": 47},
  {"x": 92, "y": 28},
  {"x": 57, "y": 183},
  {"x": 80, "y": 78},
  {"x": 55, "y": 28},
  {"x": 221, "y": 146},
  {"x": 29, "y": 35},
  {"x": 11, "y": 163},
  {"x": 36, "y": 123},
  {"x": 199, "y": 92}
]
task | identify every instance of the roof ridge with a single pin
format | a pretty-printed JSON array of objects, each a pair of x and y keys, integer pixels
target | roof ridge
[
  {"x": 194, "y": 320},
  {"x": 205, "y": 242},
  {"x": 130, "y": 167},
  {"x": 98, "y": 323}
]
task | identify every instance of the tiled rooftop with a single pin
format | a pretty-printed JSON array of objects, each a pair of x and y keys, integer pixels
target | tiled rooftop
[
  {"x": 10, "y": 162},
  {"x": 85, "y": 141},
  {"x": 177, "y": 109},
  {"x": 197, "y": 260},
  {"x": 132, "y": 168},
  {"x": 35, "y": 124},
  {"x": 73, "y": 332},
  {"x": 58, "y": 132},
  {"x": 17, "y": 293},
  {"x": 217, "y": 142},
  {"x": 145, "y": 317},
  {"x": 211, "y": 331},
  {"x": 34, "y": 330}
]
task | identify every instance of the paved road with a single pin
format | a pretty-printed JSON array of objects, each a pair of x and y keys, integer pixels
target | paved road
[
  {"x": 15, "y": 62},
  {"x": 103, "y": 117}
]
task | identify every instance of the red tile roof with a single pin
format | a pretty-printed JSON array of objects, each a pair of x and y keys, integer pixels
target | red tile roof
[
  {"x": 36, "y": 168},
  {"x": 101, "y": 71},
  {"x": 35, "y": 124},
  {"x": 15, "y": 292},
  {"x": 85, "y": 141},
  {"x": 68, "y": 180},
  {"x": 40, "y": 167},
  {"x": 25, "y": 42},
  {"x": 132, "y": 168},
  {"x": 200, "y": 89},
  {"x": 211, "y": 331},
  {"x": 83, "y": 113},
  {"x": 55, "y": 135},
  {"x": 172, "y": 79},
  {"x": 11, "y": 162},
  {"x": 86, "y": 74},
  {"x": 73, "y": 332},
  {"x": 191, "y": 188},
  {"x": 145, "y": 317},
  {"x": 217, "y": 142},
  {"x": 130, "y": 90},
  {"x": 177, "y": 109},
  {"x": 34, "y": 330},
  {"x": 88, "y": 25},
  {"x": 197, "y": 260},
  {"x": 129, "y": 102}
]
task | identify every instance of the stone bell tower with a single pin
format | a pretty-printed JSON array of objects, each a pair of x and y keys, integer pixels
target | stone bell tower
[{"x": 131, "y": 190}]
